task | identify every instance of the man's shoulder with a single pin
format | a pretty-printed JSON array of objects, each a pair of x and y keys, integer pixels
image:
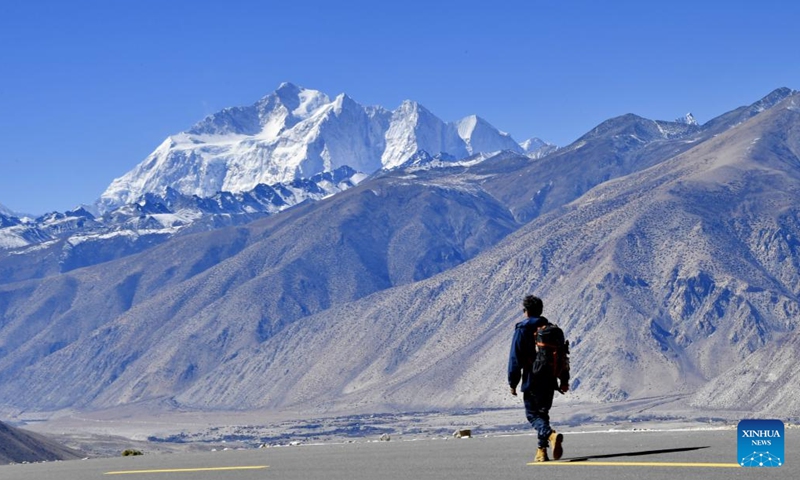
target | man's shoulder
[
  {"x": 528, "y": 322},
  {"x": 532, "y": 323}
]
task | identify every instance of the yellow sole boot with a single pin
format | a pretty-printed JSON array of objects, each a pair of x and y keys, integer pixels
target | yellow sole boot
[
  {"x": 541, "y": 455},
  {"x": 556, "y": 439}
]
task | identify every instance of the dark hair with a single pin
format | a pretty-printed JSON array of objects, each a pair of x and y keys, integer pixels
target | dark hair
[{"x": 533, "y": 305}]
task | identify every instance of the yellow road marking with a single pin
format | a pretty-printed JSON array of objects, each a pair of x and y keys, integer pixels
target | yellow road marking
[
  {"x": 174, "y": 470},
  {"x": 637, "y": 464}
]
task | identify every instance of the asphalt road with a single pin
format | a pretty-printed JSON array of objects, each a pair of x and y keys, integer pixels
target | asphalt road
[{"x": 596, "y": 456}]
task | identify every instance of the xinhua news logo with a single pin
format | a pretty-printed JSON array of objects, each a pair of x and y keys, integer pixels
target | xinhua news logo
[{"x": 761, "y": 443}]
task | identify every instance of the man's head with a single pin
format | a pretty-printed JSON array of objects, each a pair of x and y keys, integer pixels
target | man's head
[{"x": 533, "y": 306}]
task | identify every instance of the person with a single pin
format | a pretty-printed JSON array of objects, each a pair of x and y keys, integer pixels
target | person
[{"x": 538, "y": 388}]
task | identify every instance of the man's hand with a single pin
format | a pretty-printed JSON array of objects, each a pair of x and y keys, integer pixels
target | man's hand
[
  {"x": 564, "y": 387},
  {"x": 513, "y": 391}
]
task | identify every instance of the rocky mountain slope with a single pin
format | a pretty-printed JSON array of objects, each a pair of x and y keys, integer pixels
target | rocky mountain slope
[
  {"x": 17, "y": 446},
  {"x": 680, "y": 278}
]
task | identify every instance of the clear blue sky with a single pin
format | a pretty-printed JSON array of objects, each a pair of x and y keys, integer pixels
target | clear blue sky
[{"x": 89, "y": 88}]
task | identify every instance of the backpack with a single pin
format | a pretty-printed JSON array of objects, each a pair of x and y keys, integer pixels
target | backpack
[{"x": 552, "y": 352}]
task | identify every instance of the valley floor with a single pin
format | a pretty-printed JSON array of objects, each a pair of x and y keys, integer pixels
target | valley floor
[{"x": 108, "y": 433}]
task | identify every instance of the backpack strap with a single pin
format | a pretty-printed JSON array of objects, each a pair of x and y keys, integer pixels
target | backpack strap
[{"x": 536, "y": 336}]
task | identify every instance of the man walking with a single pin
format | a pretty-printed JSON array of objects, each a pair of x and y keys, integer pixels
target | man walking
[{"x": 539, "y": 357}]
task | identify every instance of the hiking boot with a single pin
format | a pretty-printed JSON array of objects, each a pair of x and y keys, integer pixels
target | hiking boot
[
  {"x": 541, "y": 455},
  {"x": 555, "y": 439}
]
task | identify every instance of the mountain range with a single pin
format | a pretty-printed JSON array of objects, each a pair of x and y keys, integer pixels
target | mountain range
[
  {"x": 60, "y": 242},
  {"x": 668, "y": 252},
  {"x": 296, "y": 133},
  {"x": 241, "y": 164}
]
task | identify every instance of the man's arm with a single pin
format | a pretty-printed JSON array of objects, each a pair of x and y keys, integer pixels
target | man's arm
[
  {"x": 514, "y": 365},
  {"x": 563, "y": 381}
]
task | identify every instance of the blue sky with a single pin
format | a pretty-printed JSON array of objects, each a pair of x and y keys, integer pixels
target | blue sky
[{"x": 89, "y": 88}]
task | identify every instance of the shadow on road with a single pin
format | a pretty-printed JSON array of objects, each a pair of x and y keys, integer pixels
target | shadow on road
[{"x": 631, "y": 454}]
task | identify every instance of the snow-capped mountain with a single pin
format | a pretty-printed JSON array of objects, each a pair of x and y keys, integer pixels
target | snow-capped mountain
[
  {"x": 16, "y": 232},
  {"x": 296, "y": 133},
  {"x": 687, "y": 119},
  {"x": 537, "y": 148},
  {"x": 479, "y": 136},
  {"x": 413, "y": 128}
]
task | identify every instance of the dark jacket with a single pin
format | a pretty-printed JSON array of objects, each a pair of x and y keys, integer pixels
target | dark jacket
[{"x": 523, "y": 351}]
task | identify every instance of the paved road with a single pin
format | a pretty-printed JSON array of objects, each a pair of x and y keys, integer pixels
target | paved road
[{"x": 594, "y": 456}]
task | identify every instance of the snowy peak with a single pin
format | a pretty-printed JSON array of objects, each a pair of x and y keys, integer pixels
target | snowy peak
[
  {"x": 300, "y": 102},
  {"x": 415, "y": 115},
  {"x": 687, "y": 119},
  {"x": 343, "y": 101},
  {"x": 537, "y": 148},
  {"x": 480, "y": 136},
  {"x": 288, "y": 92},
  {"x": 285, "y": 107},
  {"x": 413, "y": 128}
]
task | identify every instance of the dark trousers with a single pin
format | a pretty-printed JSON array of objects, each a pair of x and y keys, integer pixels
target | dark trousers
[{"x": 537, "y": 410}]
